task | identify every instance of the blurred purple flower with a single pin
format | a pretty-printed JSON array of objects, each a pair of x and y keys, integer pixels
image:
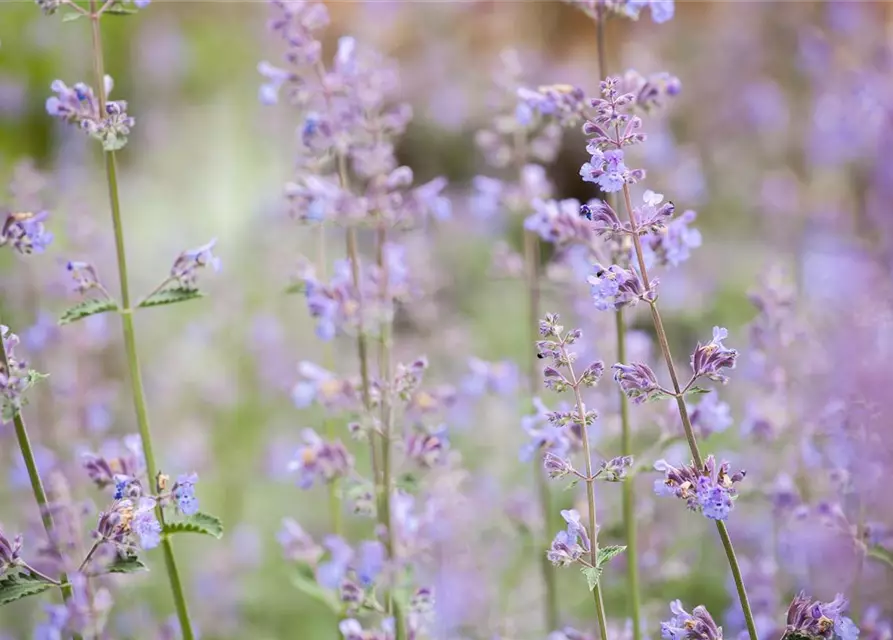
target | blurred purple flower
[
  {"x": 183, "y": 493},
  {"x": 297, "y": 545},
  {"x": 187, "y": 264},
  {"x": 698, "y": 625},
  {"x": 815, "y": 619},
  {"x": 9, "y": 552},
  {"x": 710, "y": 415},
  {"x": 80, "y": 106},
  {"x": 26, "y": 233},
  {"x": 320, "y": 460},
  {"x": 710, "y": 490},
  {"x": 500, "y": 378}
]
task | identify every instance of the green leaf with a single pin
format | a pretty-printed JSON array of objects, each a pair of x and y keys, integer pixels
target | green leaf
[
  {"x": 593, "y": 574},
  {"x": 881, "y": 554},
  {"x": 199, "y": 523},
  {"x": 408, "y": 481},
  {"x": 296, "y": 287},
  {"x": 87, "y": 308},
  {"x": 126, "y": 564},
  {"x": 20, "y": 585},
  {"x": 573, "y": 483},
  {"x": 606, "y": 553},
  {"x": 697, "y": 391},
  {"x": 657, "y": 395},
  {"x": 309, "y": 587},
  {"x": 171, "y": 296},
  {"x": 70, "y": 17}
]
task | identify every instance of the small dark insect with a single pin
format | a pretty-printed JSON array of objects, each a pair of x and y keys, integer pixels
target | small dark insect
[{"x": 540, "y": 356}]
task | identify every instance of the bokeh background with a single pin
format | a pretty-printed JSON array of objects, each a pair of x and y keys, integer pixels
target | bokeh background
[{"x": 780, "y": 139}]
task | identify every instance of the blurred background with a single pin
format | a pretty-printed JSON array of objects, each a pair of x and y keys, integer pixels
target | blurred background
[{"x": 780, "y": 140}]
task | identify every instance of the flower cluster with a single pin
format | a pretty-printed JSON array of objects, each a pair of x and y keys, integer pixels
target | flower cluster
[
  {"x": 639, "y": 382},
  {"x": 661, "y": 10},
  {"x": 185, "y": 268},
  {"x": 571, "y": 543},
  {"x": 116, "y": 461},
  {"x": 320, "y": 460},
  {"x": 563, "y": 102},
  {"x": 15, "y": 377},
  {"x": 616, "y": 287},
  {"x": 25, "y": 232},
  {"x": 710, "y": 359},
  {"x": 709, "y": 490},
  {"x": 79, "y": 105},
  {"x": 130, "y": 523},
  {"x": 697, "y": 625},
  {"x": 10, "y": 551},
  {"x": 813, "y": 619}
]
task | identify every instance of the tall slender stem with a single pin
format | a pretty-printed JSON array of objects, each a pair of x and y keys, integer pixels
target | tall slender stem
[
  {"x": 136, "y": 382},
  {"x": 590, "y": 497},
  {"x": 40, "y": 495},
  {"x": 628, "y": 492},
  {"x": 531, "y": 260},
  {"x": 387, "y": 418},
  {"x": 686, "y": 420}
]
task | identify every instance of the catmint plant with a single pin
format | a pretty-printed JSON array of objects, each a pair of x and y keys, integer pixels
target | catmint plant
[{"x": 137, "y": 517}]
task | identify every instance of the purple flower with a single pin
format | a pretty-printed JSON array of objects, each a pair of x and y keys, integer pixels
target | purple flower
[
  {"x": 711, "y": 415},
  {"x": 710, "y": 359},
  {"x": 330, "y": 573},
  {"x": 183, "y": 493},
  {"x": 814, "y": 619},
  {"x": 564, "y": 103},
  {"x": 500, "y": 378},
  {"x": 564, "y": 550},
  {"x": 320, "y": 460},
  {"x": 638, "y": 382},
  {"x": 545, "y": 435},
  {"x": 661, "y": 10},
  {"x": 276, "y": 77},
  {"x": 559, "y": 222},
  {"x": 26, "y": 232},
  {"x": 575, "y": 528},
  {"x": 427, "y": 448},
  {"x": 672, "y": 244},
  {"x": 615, "y": 469},
  {"x": 698, "y": 625},
  {"x": 85, "y": 276},
  {"x": 556, "y": 467},
  {"x": 9, "y": 552},
  {"x": 143, "y": 523},
  {"x": 79, "y": 105},
  {"x": 370, "y": 561},
  {"x": 710, "y": 490},
  {"x": 297, "y": 545},
  {"x": 607, "y": 170},
  {"x": 189, "y": 262},
  {"x": 615, "y": 287}
]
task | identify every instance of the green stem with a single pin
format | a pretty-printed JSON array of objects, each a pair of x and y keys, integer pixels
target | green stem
[
  {"x": 40, "y": 495},
  {"x": 686, "y": 421},
  {"x": 139, "y": 397},
  {"x": 387, "y": 419},
  {"x": 590, "y": 498},
  {"x": 629, "y": 487},
  {"x": 531, "y": 259}
]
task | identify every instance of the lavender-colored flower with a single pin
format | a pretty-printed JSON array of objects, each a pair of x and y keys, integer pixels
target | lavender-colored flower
[
  {"x": 144, "y": 524},
  {"x": 500, "y": 378},
  {"x": 187, "y": 264},
  {"x": 710, "y": 415},
  {"x": 710, "y": 359},
  {"x": 615, "y": 469},
  {"x": 672, "y": 245},
  {"x": 575, "y": 528},
  {"x": 616, "y": 287},
  {"x": 809, "y": 618},
  {"x": 545, "y": 435},
  {"x": 84, "y": 275},
  {"x": 427, "y": 448},
  {"x": 183, "y": 493},
  {"x": 297, "y": 545},
  {"x": 698, "y": 625},
  {"x": 331, "y": 572},
  {"x": 319, "y": 385},
  {"x": 369, "y": 562},
  {"x": 556, "y": 467},
  {"x": 25, "y": 232},
  {"x": 334, "y": 304},
  {"x": 85, "y": 613},
  {"x": 607, "y": 170},
  {"x": 320, "y": 460},
  {"x": 661, "y": 10},
  {"x": 14, "y": 379},
  {"x": 10, "y": 552},
  {"x": 564, "y": 550},
  {"x": 638, "y": 381},
  {"x": 710, "y": 490},
  {"x": 564, "y": 103},
  {"x": 118, "y": 460},
  {"x": 80, "y": 106}
]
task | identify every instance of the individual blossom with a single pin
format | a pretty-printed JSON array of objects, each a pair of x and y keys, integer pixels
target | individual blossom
[
  {"x": 25, "y": 232},
  {"x": 650, "y": 91},
  {"x": 365, "y": 564},
  {"x": 616, "y": 287},
  {"x": 85, "y": 277},
  {"x": 814, "y": 619},
  {"x": 615, "y": 469},
  {"x": 183, "y": 493},
  {"x": 79, "y": 105},
  {"x": 710, "y": 415},
  {"x": 661, "y": 10},
  {"x": 185, "y": 268},
  {"x": 10, "y": 551},
  {"x": 608, "y": 171},
  {"x": 323, "y": 386},
  {"x": 697, "y": 625},
  {"x": 297, "y": 545},
  {"x": 709, "y": 490},
  {"x": 562, "y": 102},
  {"x": 546, "y": 436},
  {"x": 320, "y": 460},
  {"x": 710, "y": 359},
  {"x": 559, "y": 222},
  {"x": 130, "y": 523},
  {"x": 570, "y": 544},
  {"x": 334, "y": 304},
  {"x": 117, "y": 461},
  {"x": 672, "y": 244},
  {"x": 639, "y": 382},
  {"x": 427, "y": 448}
]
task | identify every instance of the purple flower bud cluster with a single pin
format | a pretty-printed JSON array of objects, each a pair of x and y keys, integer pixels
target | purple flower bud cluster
[
  {"x": 15, "y": 377},
  {"x": 710, "y": 490},
  {"x": 564, "y": 103},
  {"x": 709, "y": 360},
  {"x": 185, "y": 268},
  {"x": 10, "y": 551},
  {"x": 697, "y": 625},
  {"x": 661, "y": 10},
  {"x": 25, "y": 232},
  {"x": 79, "y": 105},
  {"x": 638, "y": 382},
  {"x": 616, "y": 287},
  {"x": 809, "y": 618},
  {"x": 319, "y": 460},
  {"x": 570, "y": 544}
]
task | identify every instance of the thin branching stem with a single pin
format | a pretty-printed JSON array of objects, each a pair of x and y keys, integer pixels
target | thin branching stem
[{"x": 126, "y": 312}]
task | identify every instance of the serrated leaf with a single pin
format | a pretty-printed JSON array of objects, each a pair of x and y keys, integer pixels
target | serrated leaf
[
  {"x": 87, "y": 308},
  {"x": 20, "y": 585},
  {"x": 171, "y": 296},
  {"x": 572, "y": 484},
  {"x": 697, "y": 391},
  {"x": 309, "y": 587},
  {"x": 127, "y": 564},
  {"x": 70, "y": 17},
  {"x": 606, "y": 553},
  {"x": 593, "y": 574},
  {"x": 881, "y": 554},
  {"x": 199, "y": 523},
  {"x": 657, "y": 395},
  {"x": 296, "y": 287}
]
